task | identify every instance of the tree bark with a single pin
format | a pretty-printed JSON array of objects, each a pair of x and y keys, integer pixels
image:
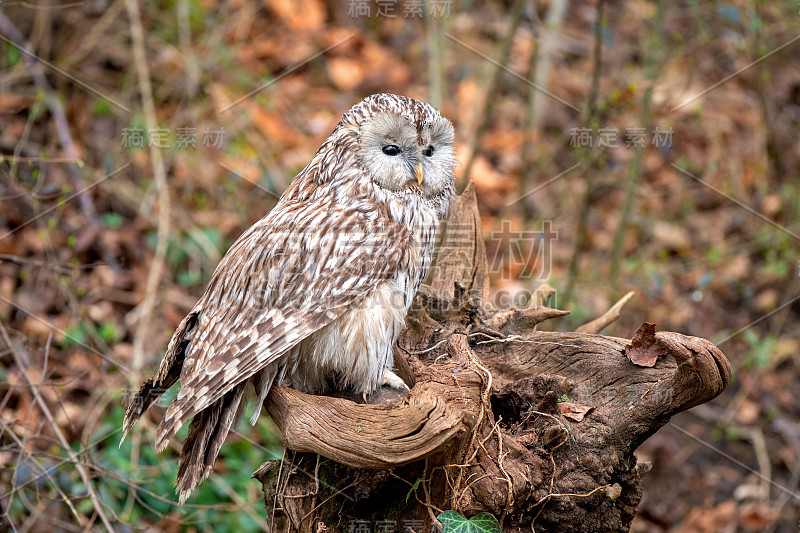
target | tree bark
[{"x": 537, "y": 428}]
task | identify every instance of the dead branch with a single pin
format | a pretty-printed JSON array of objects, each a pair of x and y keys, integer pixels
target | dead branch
[
  {"x": 98, "y": 507},
  {"x": 598, "y": 324},
  {"x": 537, "y": 428},
  {"x": 160, "y": 184}
]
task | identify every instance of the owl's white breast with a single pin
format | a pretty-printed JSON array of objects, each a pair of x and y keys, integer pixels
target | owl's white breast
[{"x": 353, "y": 351}]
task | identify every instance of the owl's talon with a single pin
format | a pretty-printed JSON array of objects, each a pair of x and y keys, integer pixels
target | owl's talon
[
  {"x": 364, "y": 396},
  {"x": 394, "y": 381}
]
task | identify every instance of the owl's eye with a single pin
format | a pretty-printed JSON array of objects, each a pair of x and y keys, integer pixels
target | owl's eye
[
  {"x": 391, "y": 150},
  {"x": 427, "y": 152}
]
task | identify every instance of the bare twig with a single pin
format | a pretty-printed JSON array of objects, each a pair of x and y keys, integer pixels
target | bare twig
[
  {"x": 584, "y": 495},
  {"x": 62, "y": 125},
  {"x": 432, "y": 348},
  {"x": 89, "y": 44},
  {"x": 277, "y": 493},
  {"x": 601, "y": 322},
  {"x": 44, "y": 472},
  {"x": 548, "y": 44},
  {"x": 494, "y": 86},
  {"x": 433, "y": 511},
  {"x": 329, "y": 498},
  {"x": 59, "y": 269},
  {"x": 36, "y": 159},
  {"x": 160, "y": 184},
  {"x": 434, "y": 33},
  {"x": 588, "y": 158},
  {"x": 185, "y": 38},
  {"x": 57, "y": 430},
  {"x": 654, "y": 61}
]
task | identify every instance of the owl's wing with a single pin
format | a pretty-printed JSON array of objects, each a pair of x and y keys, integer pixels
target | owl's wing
[{"x": 289, "y": 275}]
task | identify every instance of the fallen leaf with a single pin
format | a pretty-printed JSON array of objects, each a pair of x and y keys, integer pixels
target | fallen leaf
[
  {"x": 272, "y": 125},
  {"x": 756, "y": 517},
  {"x": 14, "y": 103},
  {"x": 574, "y": 411},
  {"x": 346, "y": 73},
  {"x": 644, "y": 350},
  {"x": 721, "y": 517},
  {"x": 748, "y": 412},
  {"x": 300, "y": 15}
]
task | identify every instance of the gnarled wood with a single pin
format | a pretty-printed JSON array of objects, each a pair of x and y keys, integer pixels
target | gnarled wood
[
  {"x": 538, "y": 428},
  {"x": 389, "y": 434},
  {"x": 461, "y": 257}
]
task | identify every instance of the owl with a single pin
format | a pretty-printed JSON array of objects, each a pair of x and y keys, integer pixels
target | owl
[{"x": 315, "y": 294}]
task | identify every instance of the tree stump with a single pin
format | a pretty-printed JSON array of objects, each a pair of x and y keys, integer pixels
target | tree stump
[{"x": 537, "y": 428}]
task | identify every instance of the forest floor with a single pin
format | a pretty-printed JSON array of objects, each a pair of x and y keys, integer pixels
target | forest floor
[{"x": 656, "y": 152}]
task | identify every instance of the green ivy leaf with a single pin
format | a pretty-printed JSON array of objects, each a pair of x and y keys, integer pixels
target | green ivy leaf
[
  {"x": 485, "y": 523},
  {"x": 455, "y": 522}
]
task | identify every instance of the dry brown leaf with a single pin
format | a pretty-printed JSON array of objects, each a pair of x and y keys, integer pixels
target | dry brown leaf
[
  {"x": 248, "y": 171},
  {"x": 300, "y": 15},
  {"x": 14, "y": 103},
  {"x": 389, "y": 69},
  {"x": 273, "y": 126},
  {"x": 722, "y": 517},
  {"x": 346, "y": 73},
  {"x": 644, "y": 350},
  {"x": 757, "y": 517},
  {"x": 491, "y": 186},
  {"x": 574, "y": 411},
  {"x": 469, "y": 98},
  {"x": 748, "y": 412},
  {"x": 503, "y": 140}
]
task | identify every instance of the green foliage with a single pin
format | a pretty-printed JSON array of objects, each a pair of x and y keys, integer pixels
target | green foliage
[
  {"x": 102, "y": 108},
  {"x": 186, "y": 256},
  {"x": 109, "y": 332},
  {"x": 111, "y": 220},
  {"x": 154, "y": 475},
  {"x": 79, "y": 334},
  {"x": 74, "y": 335},
  {"x": 455, "y": 522},
  {"x": 760, "y": 352},
  {"x": 414, "y": 487},
  {"x": 13, "y": 56}
]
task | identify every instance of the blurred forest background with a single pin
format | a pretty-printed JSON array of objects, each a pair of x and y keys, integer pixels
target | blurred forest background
[{"x": 615, "y": 146}]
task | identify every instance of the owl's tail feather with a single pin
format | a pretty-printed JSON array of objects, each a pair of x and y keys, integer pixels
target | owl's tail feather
[
  {"x": 207, "y": 432},
  {"x": 262, "y": 383},
  {"x": 148, "y": 393},
  {"x": 168, "y": 373}
]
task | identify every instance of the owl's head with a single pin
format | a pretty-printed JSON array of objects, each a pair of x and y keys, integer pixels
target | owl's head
[{"x": 406, "y": 147}]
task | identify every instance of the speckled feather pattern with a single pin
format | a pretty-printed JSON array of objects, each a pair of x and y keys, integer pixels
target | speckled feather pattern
[{"x": 313, "y": 295}]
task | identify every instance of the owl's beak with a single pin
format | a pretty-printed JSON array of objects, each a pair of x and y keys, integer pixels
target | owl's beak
[{"x": 419, "y": 173}]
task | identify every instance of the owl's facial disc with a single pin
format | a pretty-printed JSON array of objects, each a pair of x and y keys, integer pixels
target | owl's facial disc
[{"x": 400, "y": 155}]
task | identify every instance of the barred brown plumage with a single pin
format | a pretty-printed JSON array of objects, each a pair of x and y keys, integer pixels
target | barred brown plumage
[{"x": 314, "y": 294}]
